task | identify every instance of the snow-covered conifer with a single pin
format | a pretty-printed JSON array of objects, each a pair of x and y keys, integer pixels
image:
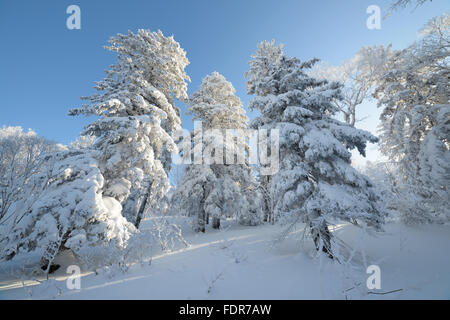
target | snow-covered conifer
[
  {"x": 316, "y": 183},
  {"x": 137, "y": 118},
  {"x": 67, "y": 212},
  {"x": 225, "y": 188}
]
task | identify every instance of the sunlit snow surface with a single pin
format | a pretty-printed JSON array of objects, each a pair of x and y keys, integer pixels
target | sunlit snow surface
[{"x": 250, "y": 263}]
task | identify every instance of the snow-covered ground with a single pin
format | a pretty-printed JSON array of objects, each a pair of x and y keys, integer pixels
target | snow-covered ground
[{"x": 250, "y": 263}]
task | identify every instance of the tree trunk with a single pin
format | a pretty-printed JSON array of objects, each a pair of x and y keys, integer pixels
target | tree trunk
[
  {"x": 201, "y": 216},
  {"x": 200, "y": 223},
  {"x": 266, "y": 210},
  {"x": 267, "y": 206},
  {"x": 321, "y": 237},
  {"x": 48, "y": 267},
  {"x": 216, "y": 223},
  {"x": 140, "y": 212}
]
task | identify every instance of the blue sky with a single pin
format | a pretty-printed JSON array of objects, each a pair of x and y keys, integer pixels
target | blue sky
[{"x": 45, "y": 68}]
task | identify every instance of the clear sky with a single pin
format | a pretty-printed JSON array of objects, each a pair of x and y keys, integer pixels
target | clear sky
[{"x": 45, "y": 67}]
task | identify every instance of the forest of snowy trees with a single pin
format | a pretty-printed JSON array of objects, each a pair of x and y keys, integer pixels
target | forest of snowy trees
[{"x": 90, "y": 197}]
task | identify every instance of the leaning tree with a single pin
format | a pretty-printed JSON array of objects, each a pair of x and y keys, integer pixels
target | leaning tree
[{"x": 137, "y": 118}]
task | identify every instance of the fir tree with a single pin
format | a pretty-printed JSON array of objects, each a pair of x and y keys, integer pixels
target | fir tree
[
  {"x": 316, "y": 183},
  {"x": 223, "y": 188}
]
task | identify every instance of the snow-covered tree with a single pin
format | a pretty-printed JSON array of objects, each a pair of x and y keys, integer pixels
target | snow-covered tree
[
  {"x": 381, "y": 173},
  {"x": 235, "y": 191},
  {"x": 21, "y": 159},
  {"x": 358, "y": 76},
  {"x": 190, "y": 195},
  {"x": 316, "y": 183},
  {"x": 265, "y": 57},
  {"x": 415, "y": 123},
  {"x": 68, "y": 211},
  {"x": 223, "y": 188},
  {"x": 137, "y": 118}
]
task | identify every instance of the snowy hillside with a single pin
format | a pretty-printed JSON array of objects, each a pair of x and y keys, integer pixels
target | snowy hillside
[{"x": 249, "y": 263}]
